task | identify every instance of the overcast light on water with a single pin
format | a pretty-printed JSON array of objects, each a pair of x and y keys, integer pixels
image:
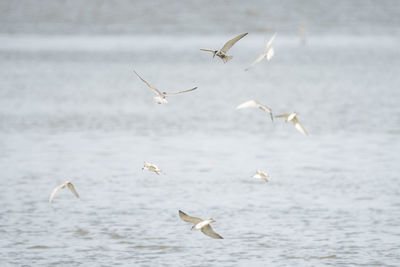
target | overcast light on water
[{"x": 72, "y": 109}]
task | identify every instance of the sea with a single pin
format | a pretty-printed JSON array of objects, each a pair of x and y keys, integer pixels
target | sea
[{"x": 72, "y": 109}]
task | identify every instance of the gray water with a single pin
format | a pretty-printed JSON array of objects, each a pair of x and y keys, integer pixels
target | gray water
[{"x": 71, "y": 108}]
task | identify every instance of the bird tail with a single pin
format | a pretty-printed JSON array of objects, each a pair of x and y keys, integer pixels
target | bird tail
[{"x": 227, "y": 58}]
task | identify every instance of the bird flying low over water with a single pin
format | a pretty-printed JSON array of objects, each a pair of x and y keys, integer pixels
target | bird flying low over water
[
  {"x": 255, "y": 104},
  {"x": 160, "y": 96},
  {"x": 222, "y": 52},
  {"x": 261, "y": 175},
  {"x": 293, "y": 118},
  {"x": 66, "y": 184},
  {"x": 268, "y": 53},
  {"x": 151, "y": 167},
  {"x": 200, "y": 224}
]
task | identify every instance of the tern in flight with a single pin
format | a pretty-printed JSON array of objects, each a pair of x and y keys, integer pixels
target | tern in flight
[
  {"x": 261, "y": 175},
  {"x": 70, "y": 186},
  {"x": 255, "y": 104},
  {"x": 151, "y": 167},
  {"x": 160, "y": 98},
  {"x": 200, "y": 224},
  {"x": 222, "y": 52},
  {"x": 293, "y": 117},
  {"x": 268, "y": 53}
]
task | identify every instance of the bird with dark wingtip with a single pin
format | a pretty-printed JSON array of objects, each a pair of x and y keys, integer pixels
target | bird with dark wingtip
[
  {"x": 200, "y": 224},
  {"x": 222, "y": 52}
]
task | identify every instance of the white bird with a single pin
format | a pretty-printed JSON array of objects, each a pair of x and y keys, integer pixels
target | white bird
[
  {"x": 160, "y": 96},
  {"x": 152, "y": 167},
  {"x": 255, "y": 104},
  {"x": 200, "y": 224},
  {"x": 268, "y": 52},
  {"x": 70, "y": 186},
  {"x": 222, "y": 52},
  {"x": 293, "y": 117},
  {"x": 261, "y": 175}
]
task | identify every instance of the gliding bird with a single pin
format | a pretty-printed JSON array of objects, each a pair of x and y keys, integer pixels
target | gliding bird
[
  {"x": 70, "y": 186},
  {"x": 200, "y": 224},
  {"x": 293, "y": 117},
  {"x": 268, "y": 53},
  {"x": 222, "y": 52},
  {"x": 160, "y": 97},
  {"x": 261, "y": 175},
  {"x": 255, "y": 104},
  {"x": 151, "y": 167}
]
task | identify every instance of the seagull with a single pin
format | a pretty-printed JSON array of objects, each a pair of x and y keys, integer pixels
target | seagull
[
  {"x": 293, "y": 117},
  {"x": 222, "y": 52},
  {"x": 160, "y": 97},
  {"x": 261, "y": 175},
  {"x": 268, "y": 53},
  {"x": 200, "y": 224},
  {"x": 151, "y": 167},
  {"x": 255, "y": 104},
  {"x": 70, "y": 186}
]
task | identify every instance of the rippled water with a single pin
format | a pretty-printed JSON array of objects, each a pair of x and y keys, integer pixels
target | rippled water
[{"x": 72, "y": 109}]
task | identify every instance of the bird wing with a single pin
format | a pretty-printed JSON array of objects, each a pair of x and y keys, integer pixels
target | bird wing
[
  {"x": 282, "y": 116},
  {"x": 231, "y": 42},
  {"x": 269, "y": 44},
  {"x": 260, "y": 57},
  {"x": 208, "y": 50},
  {"x": 188, "y": 218},
  {"x": 55, "y": 190},
  {"x": 299, "y": 126},
  {"x": 179, "y": 92},
  {"x": 255, "y": 104},
  {"x": 72, "y": 188},
  {"x": 149, "y": 85},
  {"x": 249, "y": 104},
  {"x": 207, "y": 230}
]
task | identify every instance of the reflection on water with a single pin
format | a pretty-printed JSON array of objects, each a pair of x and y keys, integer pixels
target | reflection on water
[{"x": 79, "y": 115}]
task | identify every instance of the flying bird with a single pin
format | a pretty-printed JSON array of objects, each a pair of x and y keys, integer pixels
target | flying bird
[
  {"x": 293, "y": 118},
  {"x": 261, "y": 175},
  {"x": 255, "y": 104},
  {"x": 200, "y": 224},
  {"x": 222, "y": 52},
  {"x": 70, "y": 186},
  {"x": 160, "y": 97},
  {"x": 268, "y": 53},
  {"x": 151, "y": 167}
]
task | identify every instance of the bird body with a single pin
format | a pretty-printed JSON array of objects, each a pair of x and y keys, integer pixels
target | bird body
[
  {"x": 222, "y": 52},
  {"x": 293, "y": 118},
  {"x": 261, "y": 175},
  {"x": 58, "y": 188},
  {"x": 200, "y": 224},
  {"x": 255, "y": 104},
  {"x": 160, "y": 97}
]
